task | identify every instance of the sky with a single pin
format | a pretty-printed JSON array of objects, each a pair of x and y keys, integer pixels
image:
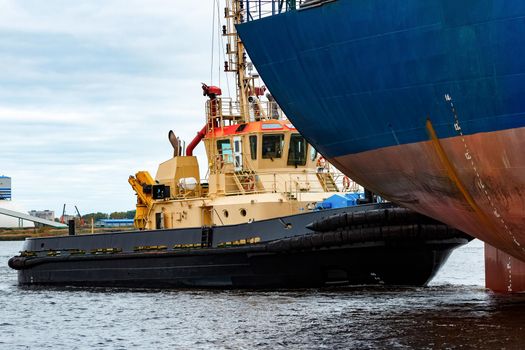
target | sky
[{"x": 89, "y": 90}]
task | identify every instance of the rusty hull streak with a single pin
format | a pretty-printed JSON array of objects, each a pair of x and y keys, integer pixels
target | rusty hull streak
[
  {"x": 414, "y": 175},
  {"x": 451, "y": 172}
]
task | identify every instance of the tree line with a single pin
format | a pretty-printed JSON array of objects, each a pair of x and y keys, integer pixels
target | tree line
[{"x": 130, "y": 214}]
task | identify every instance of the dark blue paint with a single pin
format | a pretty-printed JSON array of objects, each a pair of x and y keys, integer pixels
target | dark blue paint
[{"x": 357, "y": 75}]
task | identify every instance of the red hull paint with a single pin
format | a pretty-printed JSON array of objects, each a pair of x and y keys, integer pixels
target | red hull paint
[
  {"x": 475, "y": 183},
  {"x": 503, "y": 273}
]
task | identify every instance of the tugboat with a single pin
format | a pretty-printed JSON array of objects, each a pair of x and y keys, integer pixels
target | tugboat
[{"x": 270, "y": 213}]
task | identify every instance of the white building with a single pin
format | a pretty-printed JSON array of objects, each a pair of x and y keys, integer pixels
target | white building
[
  {"x": 5, "y": 187},
  {"x": 43, "y": 214}
]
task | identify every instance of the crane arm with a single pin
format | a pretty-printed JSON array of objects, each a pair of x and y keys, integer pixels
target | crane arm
[{"x": 139, "y": 183}]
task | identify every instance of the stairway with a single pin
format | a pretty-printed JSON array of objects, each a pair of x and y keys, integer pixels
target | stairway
[
  {"x": 327, "y": 181},
  {"x": 246, "y": 181}
]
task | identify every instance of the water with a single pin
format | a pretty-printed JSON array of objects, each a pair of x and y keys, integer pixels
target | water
[{"x": 455, "y": 312}]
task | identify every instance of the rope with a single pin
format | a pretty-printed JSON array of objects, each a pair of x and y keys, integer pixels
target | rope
[
  {"x": 223, "y": 52},
  {"x": 212, "y": 41},
  {"x": 220, "y": 43},
  {"x": 218, "y": 40}
]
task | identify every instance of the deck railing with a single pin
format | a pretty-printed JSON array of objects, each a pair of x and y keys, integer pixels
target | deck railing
[
  {"x": 257, "y": 9},
  {"x": 225, "y": 108}
]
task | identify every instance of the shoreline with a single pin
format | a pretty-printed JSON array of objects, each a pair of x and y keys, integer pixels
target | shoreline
[{"x": 18, "y": 234}]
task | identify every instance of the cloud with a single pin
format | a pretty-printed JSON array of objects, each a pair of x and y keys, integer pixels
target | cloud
[{"x": 89, "y": 90}]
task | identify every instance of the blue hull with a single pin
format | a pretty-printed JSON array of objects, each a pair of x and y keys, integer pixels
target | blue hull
[
  {"x": 361, "y": 78},
  {"x": 359, "y": 75}
]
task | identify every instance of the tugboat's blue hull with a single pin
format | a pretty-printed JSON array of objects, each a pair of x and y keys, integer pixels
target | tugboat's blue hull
[
  {"x": 365, "y": 244},
  {"x": 422, "y": 101}
]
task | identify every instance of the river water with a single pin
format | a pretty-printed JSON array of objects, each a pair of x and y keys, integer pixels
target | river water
[{"x": 454, "y": 312}]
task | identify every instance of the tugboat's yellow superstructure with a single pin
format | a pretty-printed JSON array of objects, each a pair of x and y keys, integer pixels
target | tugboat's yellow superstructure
[
  {"x": 257, "y": 170},
  {"x": 259, "y": 166}
]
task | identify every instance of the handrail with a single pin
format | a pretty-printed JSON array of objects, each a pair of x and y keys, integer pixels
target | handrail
[
  {"x": 225, "y": 108},
  {"x": 257, "y": 9}
]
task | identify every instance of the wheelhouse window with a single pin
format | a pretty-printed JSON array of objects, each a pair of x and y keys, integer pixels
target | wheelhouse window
[
  {"x": 313, "y": 153},
  {"x": 297, "y": 152},
  {"x": 272, "y": 146},
  {"x": 253, "y": 146},
  {"x": 224, "y": 148}
]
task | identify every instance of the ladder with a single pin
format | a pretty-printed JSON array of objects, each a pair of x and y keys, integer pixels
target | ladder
[
  {"x": 246, "y": 181},
  {"x": 327, "y": 181}
]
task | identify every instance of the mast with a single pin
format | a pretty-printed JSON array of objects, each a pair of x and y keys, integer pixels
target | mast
[{"x": 236, "y": 63}]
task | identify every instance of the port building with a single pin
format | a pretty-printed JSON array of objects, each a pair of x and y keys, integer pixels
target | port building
[{"x": 5, "y": 187}]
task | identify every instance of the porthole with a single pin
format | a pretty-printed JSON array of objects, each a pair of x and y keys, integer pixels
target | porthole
[
  {"x": 225, "y": 213},
  {"x": 243, "y": 212}
]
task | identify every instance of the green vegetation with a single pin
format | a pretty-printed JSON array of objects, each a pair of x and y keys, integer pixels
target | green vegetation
[
  {"x": 130, "y": 214},
  {"x": 19, "y": 234}
]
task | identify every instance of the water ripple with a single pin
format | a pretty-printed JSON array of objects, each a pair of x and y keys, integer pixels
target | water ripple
[{"x": 454, "y": 312}]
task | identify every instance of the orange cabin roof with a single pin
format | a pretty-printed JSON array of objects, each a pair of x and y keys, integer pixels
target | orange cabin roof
[{"x": 252, "y": 127}]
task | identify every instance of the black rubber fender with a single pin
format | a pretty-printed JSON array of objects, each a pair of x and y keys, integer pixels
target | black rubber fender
[{"x": 17, "y": 262}]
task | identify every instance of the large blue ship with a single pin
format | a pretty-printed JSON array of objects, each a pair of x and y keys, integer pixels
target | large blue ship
[{"x": 421, "y": 101}]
